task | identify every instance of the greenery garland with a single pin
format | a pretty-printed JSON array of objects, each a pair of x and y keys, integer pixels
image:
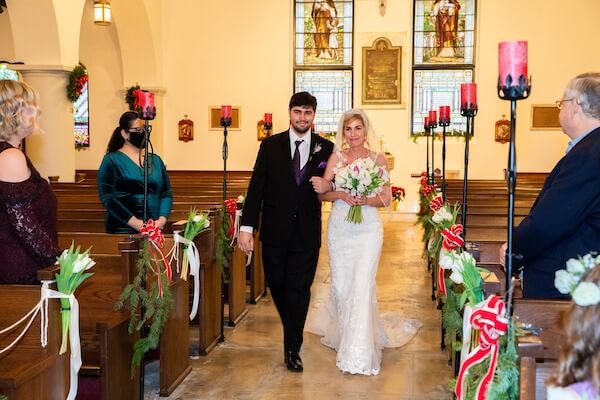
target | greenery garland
[
  {"x": 77, "y": 80},
  {"x": 157, "y": 308},
  {"x": 452, "y": 317},
  {"x": 130, "y": 97},
  {"x": 223, "y": 250}
]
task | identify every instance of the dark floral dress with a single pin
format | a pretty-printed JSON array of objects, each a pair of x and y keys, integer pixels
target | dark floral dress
[{"x": 28, "y": 236}]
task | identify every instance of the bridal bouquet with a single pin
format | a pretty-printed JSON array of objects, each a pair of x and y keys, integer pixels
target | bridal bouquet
[{"x": 361, "y": 178}]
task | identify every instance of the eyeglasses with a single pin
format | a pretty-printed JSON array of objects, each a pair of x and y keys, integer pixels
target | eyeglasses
[
  {"x": 136, "y": 130},
  {"x": 560, "y": 102}
]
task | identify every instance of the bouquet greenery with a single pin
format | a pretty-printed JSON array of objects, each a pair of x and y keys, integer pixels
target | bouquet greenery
[{"x": 196, "y": 223}]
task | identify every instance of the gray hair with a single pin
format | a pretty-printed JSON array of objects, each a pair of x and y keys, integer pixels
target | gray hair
[{"x": 586, "y": 89}]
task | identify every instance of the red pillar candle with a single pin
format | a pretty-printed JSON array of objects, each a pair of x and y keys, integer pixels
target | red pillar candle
[
  {"x": 433, "y": 117},
  {"x": 426, "y": 123},
  {"x": 468, "y": 95},
  {"x": 512, "y": 60},
  {"x": 225, "y": 111},
  {"x": 268, "y": 118},
  {"x": 445, "y": 113},
  {"x": 144, "y": 100}
]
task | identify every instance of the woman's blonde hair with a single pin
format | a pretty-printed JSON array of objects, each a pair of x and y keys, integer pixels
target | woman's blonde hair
[
  {"x": 580, "y": 357},
  {"x": 371, "y": 140},
  {"x": 14, "y": 98}
]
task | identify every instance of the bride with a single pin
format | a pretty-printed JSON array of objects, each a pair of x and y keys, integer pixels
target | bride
[{"x": 350, "y": 323}]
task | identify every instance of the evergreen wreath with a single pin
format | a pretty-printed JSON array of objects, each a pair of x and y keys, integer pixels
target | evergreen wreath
[
  {"x": 130, "y": 96},
  {"x": 77, "y": 80}
]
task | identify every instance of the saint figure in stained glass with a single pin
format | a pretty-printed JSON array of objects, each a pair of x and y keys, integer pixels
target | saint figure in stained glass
[{"x": 445, "y": 13}]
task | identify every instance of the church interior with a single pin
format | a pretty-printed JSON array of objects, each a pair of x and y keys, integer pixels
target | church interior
[{"x": 196, "y": 56}]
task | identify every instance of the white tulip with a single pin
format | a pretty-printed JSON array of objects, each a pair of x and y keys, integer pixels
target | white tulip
[
  {"x": 198, "y": 218},
  {"x": 83, "y": 263},
  {"x": 586, "y": 294},
  {"x": 456, "y": 277},
  {"x": 240, "y": 199},
  {"x": 441, "y": 215}
]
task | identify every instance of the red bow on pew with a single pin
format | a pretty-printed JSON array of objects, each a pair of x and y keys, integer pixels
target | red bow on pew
[
  {"x": 489, "y": 319},
  {"x": 157, "y": 240},
  {"x": 451, "y": 240}
]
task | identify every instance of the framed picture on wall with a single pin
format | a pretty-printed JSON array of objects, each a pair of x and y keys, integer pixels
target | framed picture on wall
[
  {"x": 545, "y": 117},
  {"x": 214, "y": 118}
]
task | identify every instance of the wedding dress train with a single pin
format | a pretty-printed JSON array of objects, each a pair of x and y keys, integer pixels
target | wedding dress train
[{"x": 349, "y": 322}]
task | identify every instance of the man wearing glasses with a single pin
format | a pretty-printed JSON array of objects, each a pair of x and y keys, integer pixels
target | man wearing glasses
[{"x": 564, "y": 221}]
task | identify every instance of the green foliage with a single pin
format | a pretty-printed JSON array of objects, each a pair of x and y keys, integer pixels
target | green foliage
[
  {"x": 452, "y": 317},
  {"x": 73, "y": 89},
  {"x": 130, "y": 97},
  {"x": 156, "y": 308},
  {"x": 223, "y": 251}
]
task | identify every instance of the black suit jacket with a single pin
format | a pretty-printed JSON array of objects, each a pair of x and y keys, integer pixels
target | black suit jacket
[
  {"x": 288, "y": 209},
  {"x": 564, "y": 221}
]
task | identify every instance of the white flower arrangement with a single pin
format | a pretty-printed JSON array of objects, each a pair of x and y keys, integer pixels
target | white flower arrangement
[
  {"x": 568, "y": 281},
  {"x": 443, "y": 214}
]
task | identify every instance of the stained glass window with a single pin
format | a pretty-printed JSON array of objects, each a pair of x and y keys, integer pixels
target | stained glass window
[
  {"x": 82, "y": 119},
  {"x": 324, "y": 31},
  {"x": 333, "y": 90},
  {"x": 8, "y": 74},
  {"x": 435, "y": 88},
  {"x": 444, "y": 32}
]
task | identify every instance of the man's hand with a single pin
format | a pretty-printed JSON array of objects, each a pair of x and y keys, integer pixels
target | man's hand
[
  {"x": 502, "y": 254},
  {"x": 245, "y": 241},
  {"x": 321, "y": 185}
]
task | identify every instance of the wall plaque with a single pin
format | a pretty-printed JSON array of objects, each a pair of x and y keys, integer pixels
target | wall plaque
[{"x": 381, "y": 73}]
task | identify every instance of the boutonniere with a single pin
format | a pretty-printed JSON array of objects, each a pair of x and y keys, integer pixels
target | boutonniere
[{"x": 316, "y": 149}]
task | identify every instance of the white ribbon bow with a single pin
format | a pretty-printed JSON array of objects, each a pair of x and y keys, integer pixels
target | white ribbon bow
[
  {"x": 193, "y": 256},
  {"x": 42, "y": 308}
]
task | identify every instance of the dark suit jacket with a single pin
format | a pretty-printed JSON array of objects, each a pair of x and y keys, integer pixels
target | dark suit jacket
[
  {"x": 564, "y": 221},
  {"x": 286, "y": 207}
]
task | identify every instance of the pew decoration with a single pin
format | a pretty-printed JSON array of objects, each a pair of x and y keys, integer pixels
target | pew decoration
[
  {"x": 229, "y": 215},
  {"x": 73, "y": 266},
  {"x": 196, "y": 223},
  {"x": 156, "y": 301}
]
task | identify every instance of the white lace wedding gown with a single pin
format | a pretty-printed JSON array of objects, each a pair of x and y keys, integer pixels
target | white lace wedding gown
[{"x": 349, "y": 321}]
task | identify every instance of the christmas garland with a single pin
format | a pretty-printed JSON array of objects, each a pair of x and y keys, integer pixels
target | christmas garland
[
  {"x": 223, "y": 251},
  {"x": 130, "y": 97},
  {"x": 77, "y": 81},
  {"x": 157, "y": 307}
]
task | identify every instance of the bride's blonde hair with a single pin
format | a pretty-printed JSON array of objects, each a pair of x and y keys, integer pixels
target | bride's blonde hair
[{"x": 371, "y": 139}]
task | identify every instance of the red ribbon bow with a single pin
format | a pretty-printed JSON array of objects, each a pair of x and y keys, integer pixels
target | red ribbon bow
[
  {"x": 451, "y": 237},
  {"x": 230, "y": 208},
  {"x": 157, "y": 240},
  {"x": 489, "y": 319},
  {"x": 436, "y": 203}
]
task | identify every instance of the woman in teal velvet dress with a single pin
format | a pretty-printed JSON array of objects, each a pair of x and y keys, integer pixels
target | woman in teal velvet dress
[{"x": 121, "y": 180}]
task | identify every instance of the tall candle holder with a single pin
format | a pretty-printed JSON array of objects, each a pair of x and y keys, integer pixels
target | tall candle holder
[
  {"x": 145, "y": 109},
  {"x": 225, "y": 122},
  {"x": 444, "y": 122},
  {"x": 432, "y": 126},
  {"x": 468, "y": 110},
  {"x": 426, "y": 129},
  {"x": 513, "y": 93}
]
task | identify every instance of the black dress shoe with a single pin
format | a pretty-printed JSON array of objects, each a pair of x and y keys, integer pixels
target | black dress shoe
[{"x": 293, "y": 362}]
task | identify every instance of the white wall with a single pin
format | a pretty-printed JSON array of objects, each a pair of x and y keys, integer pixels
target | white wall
[{"x": 100, "y": 52}]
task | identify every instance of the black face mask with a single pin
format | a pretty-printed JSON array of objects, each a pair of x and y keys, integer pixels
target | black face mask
[{"x": 137, "y": 139}]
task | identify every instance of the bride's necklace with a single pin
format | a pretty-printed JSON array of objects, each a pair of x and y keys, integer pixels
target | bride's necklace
[{"x": 356, "y": 155}]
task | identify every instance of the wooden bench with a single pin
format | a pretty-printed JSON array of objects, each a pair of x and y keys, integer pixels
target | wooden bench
[{"x": 29, "y": 371}]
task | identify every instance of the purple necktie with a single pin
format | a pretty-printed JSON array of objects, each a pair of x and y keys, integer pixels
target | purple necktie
[{"x": 296, "y": 162}]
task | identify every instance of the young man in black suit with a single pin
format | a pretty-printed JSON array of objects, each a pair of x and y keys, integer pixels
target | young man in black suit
[
  {"x": 290, "y": 229},
  {"x": 564, "y": 221}
]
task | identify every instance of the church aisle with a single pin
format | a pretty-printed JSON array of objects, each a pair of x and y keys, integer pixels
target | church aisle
[{"x": 249, "y": 364}]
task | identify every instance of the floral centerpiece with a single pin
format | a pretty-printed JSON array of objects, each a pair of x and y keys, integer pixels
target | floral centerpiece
[
  {"x": 73, "y": 266},
  {"x": 398, "y": 194},
  {"x": 363, "y": 177}
]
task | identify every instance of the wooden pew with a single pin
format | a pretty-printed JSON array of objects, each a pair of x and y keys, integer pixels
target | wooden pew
[
  {"x": 174, "y": 342},
  {"x": 29, "y": 371},
  {"x": 546, "y": 316},
  {"x": 106, "y": 346}
]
